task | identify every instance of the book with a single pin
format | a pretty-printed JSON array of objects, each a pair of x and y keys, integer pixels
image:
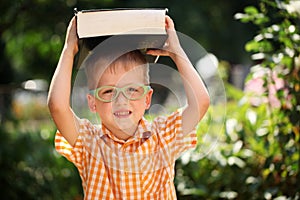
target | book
[
  {"x": 104, "y": 22},
  {"x": 133, "y": 28}
]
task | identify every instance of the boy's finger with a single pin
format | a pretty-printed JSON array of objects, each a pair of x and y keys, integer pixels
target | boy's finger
[
  {"x": 156, "y": 52},
  {"x": 169, "y": 22}
]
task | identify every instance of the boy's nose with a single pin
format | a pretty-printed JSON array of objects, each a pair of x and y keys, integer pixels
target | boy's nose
[{"x": 121, "y": 98}]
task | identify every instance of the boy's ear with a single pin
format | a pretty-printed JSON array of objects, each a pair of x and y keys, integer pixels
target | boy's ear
[
  {"x": 91, "y": 102},
  {"x": 148, "y": 99}
]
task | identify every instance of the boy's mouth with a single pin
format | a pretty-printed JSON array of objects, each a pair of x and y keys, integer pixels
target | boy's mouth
[{"x": 122, "y": 114}]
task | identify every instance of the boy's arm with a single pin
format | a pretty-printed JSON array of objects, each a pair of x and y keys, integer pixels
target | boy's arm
[
  {"x": 60, "y": 88},
  {"x": 197, "y": 96}
]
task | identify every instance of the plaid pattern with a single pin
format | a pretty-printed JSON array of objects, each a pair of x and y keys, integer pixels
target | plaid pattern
[{"x": 140, "y": 168}]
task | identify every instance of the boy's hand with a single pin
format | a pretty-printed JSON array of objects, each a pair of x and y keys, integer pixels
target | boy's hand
[
  {"x": 71, "y": 42},
  {"x": 172, "y": 46}
]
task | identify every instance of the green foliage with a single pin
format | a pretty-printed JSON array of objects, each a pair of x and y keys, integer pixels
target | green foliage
[
  {"x": 279, "y": 42},
  {"x": 257, "y": 156},
  {"x": 31, "y": 169},
  {"x": 248, "y": 161}
]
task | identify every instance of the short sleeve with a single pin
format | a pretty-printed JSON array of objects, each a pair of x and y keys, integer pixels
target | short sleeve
[
  {"x": 77, "y": 153},
  {"x": 170, "y": 129}
]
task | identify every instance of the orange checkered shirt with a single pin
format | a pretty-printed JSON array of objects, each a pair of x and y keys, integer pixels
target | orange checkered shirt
[{"x": 140, "y": 168}]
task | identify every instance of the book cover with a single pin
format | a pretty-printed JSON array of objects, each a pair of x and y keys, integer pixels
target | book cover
[
  {"x": 104, "y": 22},
  {"x": 145, "y": 29}
]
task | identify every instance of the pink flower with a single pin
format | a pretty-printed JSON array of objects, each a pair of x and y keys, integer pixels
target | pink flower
[{"x": 260, "y": 94}]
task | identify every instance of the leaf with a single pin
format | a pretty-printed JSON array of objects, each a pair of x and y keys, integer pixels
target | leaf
[
  {"x": 252, "y": 46},
  {"x": 251, "y": 10},
  {"x": 261, "y": 19},
  {"x": 233, "y": 160}
]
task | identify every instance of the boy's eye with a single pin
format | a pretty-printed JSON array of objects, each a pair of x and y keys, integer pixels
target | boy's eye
[
  {"x": 107, "y": 91},
  {"x": 132, "y": 89}
]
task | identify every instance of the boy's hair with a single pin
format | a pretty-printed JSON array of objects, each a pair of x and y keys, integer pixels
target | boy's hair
[{"x": 96, "y": 64}]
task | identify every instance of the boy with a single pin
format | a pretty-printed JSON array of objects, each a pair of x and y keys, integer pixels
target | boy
[{"x": 125, "y": 157}]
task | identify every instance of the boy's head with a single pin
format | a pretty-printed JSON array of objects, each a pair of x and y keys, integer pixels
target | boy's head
[
  {"x": 99, "y": 63},
  {"x": 120, "y": 91}
]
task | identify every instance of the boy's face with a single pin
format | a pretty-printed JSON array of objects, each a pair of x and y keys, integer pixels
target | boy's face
[{"x": 121, "y": 116}]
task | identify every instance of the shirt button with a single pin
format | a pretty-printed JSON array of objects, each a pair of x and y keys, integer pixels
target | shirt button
[{"x": 146, "y": 134}]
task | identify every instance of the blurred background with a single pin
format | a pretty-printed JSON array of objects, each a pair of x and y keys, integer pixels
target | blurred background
[{"x": 256, "y": 47}]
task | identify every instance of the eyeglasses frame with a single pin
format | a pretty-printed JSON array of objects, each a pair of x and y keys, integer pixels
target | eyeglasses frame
[{"x": 94, "y": 92}]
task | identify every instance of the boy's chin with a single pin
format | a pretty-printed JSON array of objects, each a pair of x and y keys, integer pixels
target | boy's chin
[{"x": 127, "y": 127}]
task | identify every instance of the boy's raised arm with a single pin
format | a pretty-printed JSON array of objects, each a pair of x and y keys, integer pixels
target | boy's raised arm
[
  {"x": 197, "y": 96},
  {"x": 60, "y": 88}
]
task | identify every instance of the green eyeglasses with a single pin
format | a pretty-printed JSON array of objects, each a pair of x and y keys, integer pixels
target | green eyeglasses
[{"x": 110, "y": 93}]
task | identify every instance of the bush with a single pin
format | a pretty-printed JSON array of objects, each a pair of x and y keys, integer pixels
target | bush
[
  {"x": 257, "y": 156},
  {"x": 31, "y": 169}
]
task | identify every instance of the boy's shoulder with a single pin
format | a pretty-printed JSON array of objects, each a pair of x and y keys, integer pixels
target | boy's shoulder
[
  {"x": 174, "y": 115},
  {"x": 86, "y": 126},
  {"x": 164, "y": 121}
]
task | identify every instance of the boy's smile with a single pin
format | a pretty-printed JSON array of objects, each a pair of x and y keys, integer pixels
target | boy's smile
[{"x": 122, "y": 114}]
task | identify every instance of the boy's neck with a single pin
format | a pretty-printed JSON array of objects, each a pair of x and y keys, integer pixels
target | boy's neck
[{"x": 123, "y": 135}]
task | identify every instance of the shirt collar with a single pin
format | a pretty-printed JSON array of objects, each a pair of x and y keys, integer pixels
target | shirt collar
[{"x": 143, "y": 132}]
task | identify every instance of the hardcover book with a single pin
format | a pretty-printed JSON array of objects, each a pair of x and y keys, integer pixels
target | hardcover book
[{"x": 135, "y": 28}]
